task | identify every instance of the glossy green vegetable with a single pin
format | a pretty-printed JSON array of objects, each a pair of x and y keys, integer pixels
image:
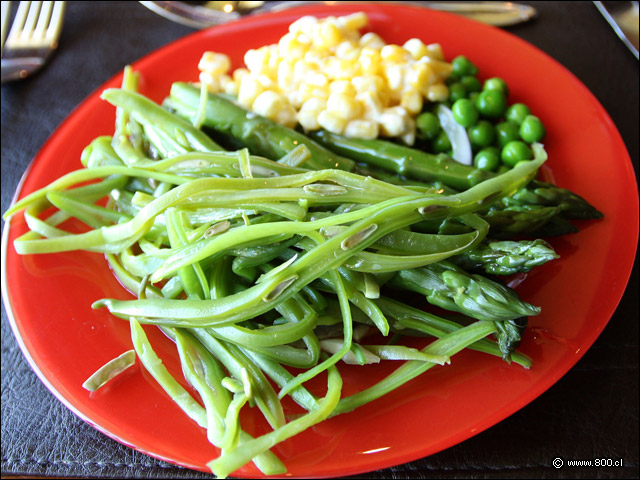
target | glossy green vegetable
[
  {"x": 514, "y": 152},
  {"x": 496, "y": 83},
  {"x": 428, "y": 125},
  {"x": 403, "y": 160},
  {"x": 532, "y": 130},
  {"x": 487, "y": 159},
  {"x": 464, "y": 112},
  {"x": 463, "y": 66},
  {"x": 517, "y": 112},
  {"x": 491, "y": 103},
  {"x": 482, "y": 134},
  {"x": 507, "y": 132}
]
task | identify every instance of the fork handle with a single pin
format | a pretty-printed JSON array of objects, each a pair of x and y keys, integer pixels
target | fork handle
[{"x": 17, "y": 68}]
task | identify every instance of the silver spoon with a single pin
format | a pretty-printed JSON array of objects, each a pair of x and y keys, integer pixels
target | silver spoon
[{"x": 206, "y": 14}]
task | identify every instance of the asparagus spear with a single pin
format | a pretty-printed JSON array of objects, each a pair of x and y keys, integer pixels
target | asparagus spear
[
  {"x": 448, "y": 286},
  {"x": 259, "y": 134},
  {"x": 401, "y": 160},
  {"x": 427, "y": 167},
  {"x": 570, "y": 205},
  {"x": 506, "y": 258}
]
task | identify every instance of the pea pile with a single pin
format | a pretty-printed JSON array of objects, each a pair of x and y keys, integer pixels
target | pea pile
[{"x": 500, "y": 134}]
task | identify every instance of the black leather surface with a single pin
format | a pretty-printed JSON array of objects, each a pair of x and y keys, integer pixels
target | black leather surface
[{"x": 592, "y": 412}]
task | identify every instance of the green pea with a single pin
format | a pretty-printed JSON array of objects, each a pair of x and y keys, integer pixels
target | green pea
[
  {"x": 517, "y": 113},
  {"x": 464, "y": 112},
  {"x": 463, "y": 66},
  {"x": 532, "y": 130},
  {"x": 482, "y": 134},
  {"x": 514, "y": 152},
  {"x": 471, "y": 83},
  {"x": 428, "y": 124},
  {"x": 457, "y": 91},
  {"x": 497, "y": 83},
  {"x": 441, "y": 144},
  {"x": 507, "y": 132},
  {"x": 487, "y": 159},
  {"x": 491, "y": 103}
]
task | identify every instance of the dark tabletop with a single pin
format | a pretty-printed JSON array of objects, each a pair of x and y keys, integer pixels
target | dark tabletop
[{"x": 591, "y": 413}]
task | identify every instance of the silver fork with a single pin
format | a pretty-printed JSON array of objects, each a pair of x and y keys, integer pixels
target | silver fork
[{"x": 33, "y": 37}]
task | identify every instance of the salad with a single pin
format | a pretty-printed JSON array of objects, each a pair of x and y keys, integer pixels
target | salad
[{"x": 269, "y": 255}]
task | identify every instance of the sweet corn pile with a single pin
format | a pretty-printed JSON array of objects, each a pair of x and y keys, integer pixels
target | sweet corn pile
[{"x": 325, "y": 74}]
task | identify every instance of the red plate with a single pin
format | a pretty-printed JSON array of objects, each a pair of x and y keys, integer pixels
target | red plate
[{"x": 65, "y": 340}]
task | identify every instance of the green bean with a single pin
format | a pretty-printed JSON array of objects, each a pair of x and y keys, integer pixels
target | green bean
[
  {"x": 192, "y": 277},
  {"x": 156, "y": 368},
  {"x": 234, "y": 459},
  {"x": 234, "y": 361},
  {"x": 151, "y": 114},
  {"x": 448, "y": 345}
]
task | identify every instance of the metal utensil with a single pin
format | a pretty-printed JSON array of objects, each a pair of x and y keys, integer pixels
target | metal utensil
[
  {"x": 623, "y": 18},
  {"x": 499, "y": 14},
  {"x": 33, "y": 37}
]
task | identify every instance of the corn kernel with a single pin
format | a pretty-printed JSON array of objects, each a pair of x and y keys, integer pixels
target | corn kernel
[
  {"x": 309, "y": 112},
  {"x": 303, "y": 24},
  {"x": 257, "y": 60},
  {"x": 338, "y": 69},
  {"x": 355, "y": 21},
  {"x": 326, "y": 35},
  {"x": 231, "y": 88},
  {"x": 409, "y": 138},
  {"x": 434, "y": 50},
  {"x": 238, "y": 73},
  {"x": 362, "y": 129},
  {"x": 285, "y": 75},
  {"x": 394, "y": 121},
  {"x": 290, "y": 47},
  {"x": 331, "y": 122},
  {"x": 343, "y": 106},
  {"x": 317, "y": 79},
  {"x": 314, "y": 104},
  {"x": 416, "y": 48},
  {"x": 214, "y": 63},
  {"x": 308, "y": 121},
  {"x": 342, "y": 86},
  {"x": 412, "y": 101},
  {"x": 308, "y": 91},
  {"x": 286, "y": 116},
  {"x": 395, "y": 54},
  {"x": 212, "y": 82},
  {"x": 249, "y": 89},
  {"x": 420, "y": 77},
  {"x": 370, "y": 60},
  {"x": 266, "y": 81},
  {"x": 437, "y": 93},
  {"x": 371, "y": 104},
  {"x": 441, "y": 69},
  {"x": 372, "y": 40},
  {"x": 268, "y": 104},
  {"x": 395, "y": 75},
  {"x": 347, "y": 51}
]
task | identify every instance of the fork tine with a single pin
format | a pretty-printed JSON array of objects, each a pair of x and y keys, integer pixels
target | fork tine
[
  {"x": 43, "y": 20},
  {"x": 6, "y": 9},
  {"x": 55, "y": 25},
  {"x": 30, "y": 22},
  {"x": 18, "y": 22}
]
